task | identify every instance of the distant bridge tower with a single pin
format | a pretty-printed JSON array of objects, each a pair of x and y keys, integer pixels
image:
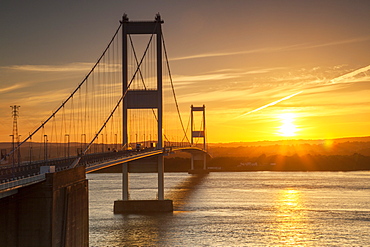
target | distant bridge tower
[
  {"x": 202, "y": 132},
  {"x": 198, "y": 134}
]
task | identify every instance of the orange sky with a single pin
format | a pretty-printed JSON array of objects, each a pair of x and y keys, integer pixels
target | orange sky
[{"x": 266, "y": 70}]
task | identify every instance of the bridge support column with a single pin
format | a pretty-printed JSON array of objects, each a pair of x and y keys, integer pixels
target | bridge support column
[
  {"x": 198, "y": 163},
  {"x": 160, "y": 177},
  {"x": 125, "y": 194},
  {"x": 204, "y": 161},
  {"x": 192, "y": 162},
  {"x": 126, "y": 206}
]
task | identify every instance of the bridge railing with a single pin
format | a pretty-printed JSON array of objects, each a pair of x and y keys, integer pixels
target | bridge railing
[
  {"x": 22, "y": 182},
  {"x": 32, "y": 168},
  {"x": 13, "y": 180}
]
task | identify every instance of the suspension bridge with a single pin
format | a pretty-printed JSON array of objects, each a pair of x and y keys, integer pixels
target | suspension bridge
[{"x": 123, "y": 112}]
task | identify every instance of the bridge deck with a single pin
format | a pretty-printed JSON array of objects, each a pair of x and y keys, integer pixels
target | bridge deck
[{"x": 13, "y": 178}]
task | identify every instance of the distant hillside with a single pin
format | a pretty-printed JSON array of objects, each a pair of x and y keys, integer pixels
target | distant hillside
[
  {"x": 290, "y": 142},
  {"x": 341, "y": 146}
]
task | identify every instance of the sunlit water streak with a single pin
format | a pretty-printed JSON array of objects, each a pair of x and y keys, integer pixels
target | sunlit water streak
[{"x": 237, "y": 209}]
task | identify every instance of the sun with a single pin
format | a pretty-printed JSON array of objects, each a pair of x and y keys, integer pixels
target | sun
[{"x": 288, "y": 128}]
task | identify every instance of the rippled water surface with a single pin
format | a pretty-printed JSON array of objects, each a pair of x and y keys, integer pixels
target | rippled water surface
[{"x": 236, "y": 209}]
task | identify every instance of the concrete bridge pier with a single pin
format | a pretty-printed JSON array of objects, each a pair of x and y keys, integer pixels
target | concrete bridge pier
[
  {"x": 198, "y": 163},
  {"x": 53, "y": 212},
  {"x": 126, "y": 205}
]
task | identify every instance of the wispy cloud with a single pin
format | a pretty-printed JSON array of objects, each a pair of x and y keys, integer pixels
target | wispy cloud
[
  {"x": 226, "y": 74},
  {"x": 220, "y": 54},
  {"x": 302, "y": 46},
  {"x": 345, "y": 82},
  {"x": 341, "y": 42},
  {"x": 45, "y": 97},
  {"x": 270, "y": 104},
  {"x": 262, "y": 70},
  {"x": 207, "y": 77},
  {"x": 211, "y": 96},
  {"x": 351, "y": 75},
  {"x": 63, "y": 68},
  {"x": 11, "y": 88}
]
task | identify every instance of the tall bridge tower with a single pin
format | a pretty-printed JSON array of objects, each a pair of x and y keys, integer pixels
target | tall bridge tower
[{"x": 142, "y": 99}]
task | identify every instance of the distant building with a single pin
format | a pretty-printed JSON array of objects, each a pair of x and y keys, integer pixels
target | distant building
[{"x": 248, "y": 164}]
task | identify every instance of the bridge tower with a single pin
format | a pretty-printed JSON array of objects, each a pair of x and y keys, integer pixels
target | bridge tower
[
  {"x": 142, "y": 99},
  {"x": 202, "y": 132},
  {"x": 198, "y": 134}
]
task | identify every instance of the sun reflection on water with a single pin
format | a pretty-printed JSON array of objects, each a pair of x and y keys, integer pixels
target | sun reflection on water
[{"x": 290, "y": 218}]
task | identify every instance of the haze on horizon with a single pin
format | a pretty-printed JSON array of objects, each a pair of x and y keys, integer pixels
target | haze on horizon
[{"x": 266, "y": 70}]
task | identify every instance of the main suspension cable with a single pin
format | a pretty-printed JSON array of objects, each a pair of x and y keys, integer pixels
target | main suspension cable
[
  {"x": 69, "y": 97},
  {"x": 173, "y": 89},
  {"x": 119, "y": 101}
]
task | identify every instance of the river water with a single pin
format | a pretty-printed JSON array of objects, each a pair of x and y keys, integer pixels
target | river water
[{"x": 236, "y": 209}]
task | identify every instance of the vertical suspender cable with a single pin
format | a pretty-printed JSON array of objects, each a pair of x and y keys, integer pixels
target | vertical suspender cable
[
  {"x": 173, "y": 89},
  {"x": 64, "y": 102}
]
